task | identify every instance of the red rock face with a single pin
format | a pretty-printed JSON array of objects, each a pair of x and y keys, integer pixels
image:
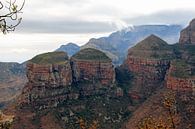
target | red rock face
[
  {"x": 179, "y": 84},
  {"x": 148, "y": 74},
  {"x": 47, "y": 85},
  {"x": 51, "y": 75},
  {"x": 187, "y": 36},
  {"x": 93, "y": 71}
]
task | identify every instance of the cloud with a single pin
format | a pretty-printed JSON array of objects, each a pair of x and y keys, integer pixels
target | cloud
[
  {"x": 65, "y": 26},
  {"x": 101, "y": 24},
  {"x": 181, "y": 17}
]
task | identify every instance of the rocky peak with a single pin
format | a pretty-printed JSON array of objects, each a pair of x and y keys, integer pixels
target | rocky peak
[
  {"x": 151, "y": 48},
  {"x": 148, "y": 61},
  {"x": 187, "y": 35},
  {"x": 152, "y": 42}
]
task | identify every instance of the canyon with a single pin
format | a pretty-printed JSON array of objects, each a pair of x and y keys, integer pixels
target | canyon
[{"x": 87, "y": 88}]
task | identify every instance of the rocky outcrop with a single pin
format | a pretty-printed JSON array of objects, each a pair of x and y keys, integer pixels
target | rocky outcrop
[
  {"x": 93, "y": 66},
  {"x": 148, "y": 61},
  {"x": 48, "y": 84},
  {"x": 52, "y": 78},
  {"x": 181, "y": 84},
  {"x": 187, "y": 36},
  {"x": 180, "y": 76}
]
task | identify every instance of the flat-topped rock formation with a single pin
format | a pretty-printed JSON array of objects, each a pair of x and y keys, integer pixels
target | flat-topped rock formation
[
  {"x": 187, "y": 35},
  {"x": 49, "y": 76},
  {"x": 94, "y": 66},
  {"x": 52, "y": 78}
]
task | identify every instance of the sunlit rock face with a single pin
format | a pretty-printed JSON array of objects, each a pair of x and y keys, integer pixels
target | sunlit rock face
[{"x": 187, "y": 35}]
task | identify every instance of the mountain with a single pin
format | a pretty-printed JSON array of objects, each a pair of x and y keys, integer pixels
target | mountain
[
  {"x": 148, "y": 61},
  {"x": 117, "y": 44},
  {"x": 70, "y": 48}
]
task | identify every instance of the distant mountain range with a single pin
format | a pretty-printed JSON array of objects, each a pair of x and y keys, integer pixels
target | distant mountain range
[
  {"x": 70, "y": 48},
  {"x": 117, "y": 43}
]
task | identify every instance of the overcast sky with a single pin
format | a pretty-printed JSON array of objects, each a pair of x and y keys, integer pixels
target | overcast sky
[{"x": 47, "y": 24}]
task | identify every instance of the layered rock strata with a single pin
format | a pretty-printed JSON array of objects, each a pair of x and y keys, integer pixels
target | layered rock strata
[
  {"x": 187, "y": 35},
  {"x": 48, "y": 84},
  {"x": 148, "y": 61},
  {"x": 181, "y": 76},
  {"x": 93, "y": 66}
]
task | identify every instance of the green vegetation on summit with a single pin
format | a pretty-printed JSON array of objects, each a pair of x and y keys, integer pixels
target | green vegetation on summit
[
  {"x": 50, "y": 58},
  {"x": 91, "y": 54},
  {"x": 152, "y": 47}
]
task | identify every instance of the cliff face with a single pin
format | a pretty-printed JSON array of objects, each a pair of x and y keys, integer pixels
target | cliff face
[
  {"x": 96, "y": 67},
  {"x": 47, "y": 83},
  {"x": 187, "y": 35},
  {"x": 181, "y": 76},
  {"x": 148, "y": 61},
  {"x": 52, "y": 79}
]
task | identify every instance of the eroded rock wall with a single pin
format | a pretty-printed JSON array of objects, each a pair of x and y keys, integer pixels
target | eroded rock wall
[{"x": 93, "y": 71}]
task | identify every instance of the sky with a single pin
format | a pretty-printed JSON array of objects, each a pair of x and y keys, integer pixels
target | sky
[{"x": 47, "y": 24}]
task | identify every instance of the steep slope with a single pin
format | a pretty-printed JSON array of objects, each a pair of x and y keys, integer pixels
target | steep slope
[
  {"x": 154, "y": 113},
  {"x": 70, "y": 48},
  {"x": 117, "y": 44}
]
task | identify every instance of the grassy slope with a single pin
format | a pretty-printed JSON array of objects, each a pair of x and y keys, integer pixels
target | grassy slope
[
  {"x": 50, "y": 58},
  {"x": 153, "y": 48},
  {"x": 91, "y": 54}
]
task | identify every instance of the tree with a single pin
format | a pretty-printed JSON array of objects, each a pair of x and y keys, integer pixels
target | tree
[{"x": 9, "y": 15}]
